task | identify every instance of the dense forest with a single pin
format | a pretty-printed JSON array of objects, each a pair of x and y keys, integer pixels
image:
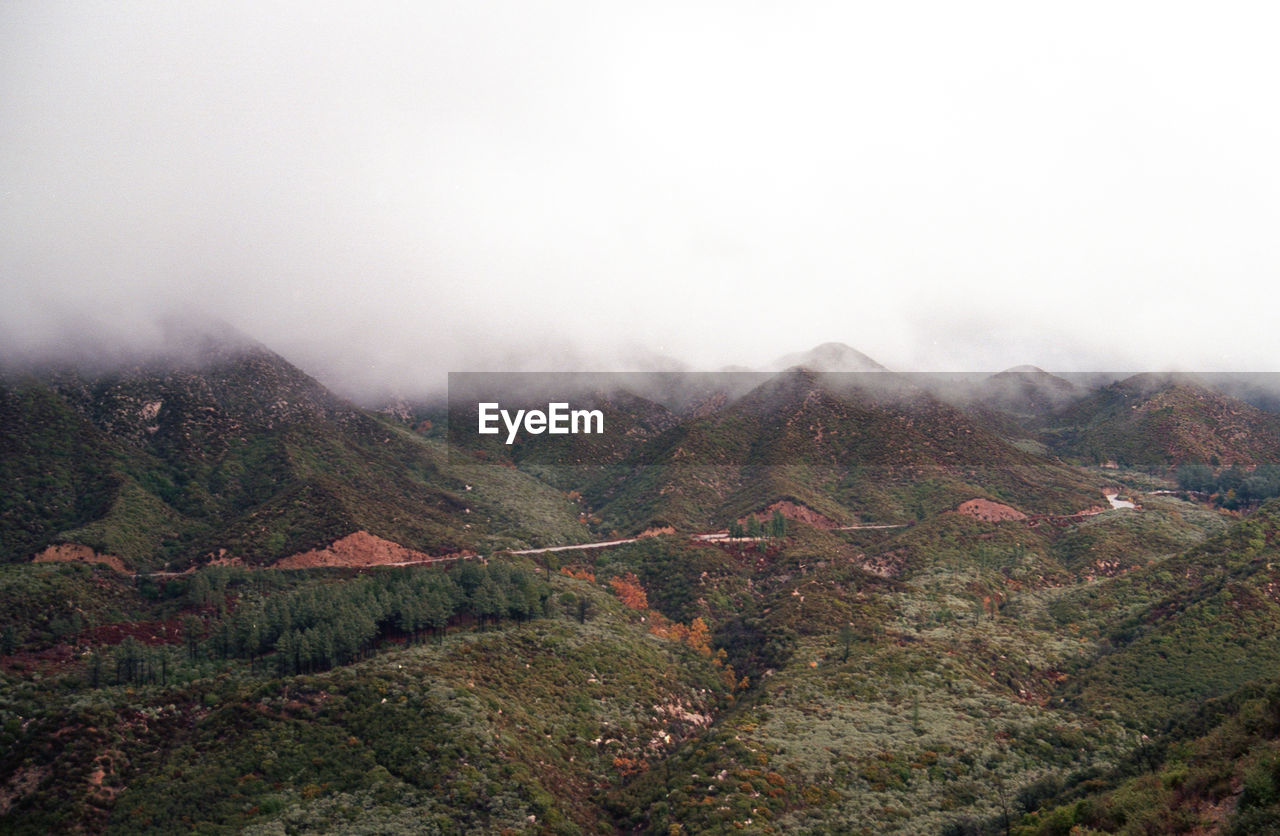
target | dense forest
[{"x": 1231, "y": 487}]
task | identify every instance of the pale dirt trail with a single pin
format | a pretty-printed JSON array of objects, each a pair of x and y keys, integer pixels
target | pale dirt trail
[{"x": 602, "y": 544}]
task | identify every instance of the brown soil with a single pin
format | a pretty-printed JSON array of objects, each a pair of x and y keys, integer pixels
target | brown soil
[
  {"x": 70, "y": 552},
  {"x": 887, "y": 565},
  {"x": 985, "y": 509},
  {"x": 358, "y": 549},
  {"x": 103, "y": 765},
  {"x": 45, "y": 661},
  {"x": 793, "y": 511},
  {"x": 224, "y": 559},
  {"x": 654, "y": 532}
]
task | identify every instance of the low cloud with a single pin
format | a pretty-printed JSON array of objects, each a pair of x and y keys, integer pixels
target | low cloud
[{"x": 420, "y": 188}]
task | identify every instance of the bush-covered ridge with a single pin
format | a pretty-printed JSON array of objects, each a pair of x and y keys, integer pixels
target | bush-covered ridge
[
  {"x": 244, "y": 456},
  {"x": 509, "y": 715},
  {"x": 770, "y": 686},
  {"x": 1113, "y": 672}
]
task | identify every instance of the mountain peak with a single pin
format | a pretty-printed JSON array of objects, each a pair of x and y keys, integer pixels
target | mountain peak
[
  {"x": 1026, "y": 390},
  {"x": 831, "y": 357}
]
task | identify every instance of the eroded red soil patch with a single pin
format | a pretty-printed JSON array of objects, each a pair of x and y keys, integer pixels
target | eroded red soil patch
[
  {"x": 985, "y": 509},
  {"x": 70, "y": 552},
  {"x": 793, "y": 511},
  {"x": 359, "y": 549}
]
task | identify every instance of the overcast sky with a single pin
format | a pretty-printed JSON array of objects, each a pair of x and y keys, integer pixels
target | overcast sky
[{"x": 384, "y": 192}]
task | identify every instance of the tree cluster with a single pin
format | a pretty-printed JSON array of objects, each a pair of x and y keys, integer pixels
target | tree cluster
[
  {"x": 754, "y": 528},
  {"x": 130, "y": 662},
  {"x": 1231, "y": 487},
  {"x": 319, "y": 627}
]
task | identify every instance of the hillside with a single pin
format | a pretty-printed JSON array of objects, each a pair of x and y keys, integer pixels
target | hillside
[
  {"x": 1164, "y": 420},
  {"x": 236, "y": 453},
  {"x": 1026, "y": 391},
  {"x": 492, "y": 730},
  {"x": 850, "y": 447},
  {"x": 1169, "y": 651},
  {"x": 911, "y": 620}
]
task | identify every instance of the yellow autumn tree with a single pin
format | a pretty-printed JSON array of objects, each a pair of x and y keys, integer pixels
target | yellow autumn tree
[
  {"x": 699, "y": 636},
  {"x": 630, "y": 592}
]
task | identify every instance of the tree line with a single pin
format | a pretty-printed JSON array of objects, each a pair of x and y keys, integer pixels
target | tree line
[
  {"x": 319, "y": 627},
  {"x": 1231, "y": 487},
  {"x": 322, "y": 626}
]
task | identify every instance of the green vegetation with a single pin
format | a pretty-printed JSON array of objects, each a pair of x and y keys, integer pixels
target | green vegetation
[
  {"x": 1233, "y": 487},
  {"x": 248, "y": 458},
  {"x": 983, "y": 681},
  {"x": 854, "y": 657},
  {"x": 479, "y": 729},
  {"x": 56, "y": 470},
  {"x": 1163, "y": 420}
]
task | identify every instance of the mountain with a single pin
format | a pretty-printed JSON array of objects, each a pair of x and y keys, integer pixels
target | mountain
[
  {"x": 59, "y": 471},
  {"x": 231, "y": 451},
  {"x": 846, "y": 448},
  {"x": 1026, "y": 390},
  {"x": 939, "y": 628},
  {"x": 830, "y": 357},
  {"x": 1155, "y": 419},
  {"x": 1260, "y": 389}
]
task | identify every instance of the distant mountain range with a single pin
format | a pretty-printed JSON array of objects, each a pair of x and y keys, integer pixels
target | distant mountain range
[
  {"x": 823, "y": 598},
  {"x": 226, "y": 450}
]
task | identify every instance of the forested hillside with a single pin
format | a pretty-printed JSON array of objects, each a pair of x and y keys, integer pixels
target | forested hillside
[{"x": 232, "y": 602}]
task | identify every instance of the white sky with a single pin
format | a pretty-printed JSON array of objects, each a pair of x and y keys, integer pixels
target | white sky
[{"x": 386, "y": 192}]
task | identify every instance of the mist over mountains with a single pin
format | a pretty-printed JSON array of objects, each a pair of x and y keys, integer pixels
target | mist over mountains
[
  {"x": 938, "y": 486},
  {"x": 383, "y": 363},
  {"x": 188, "y": 447},
  {"x": 794, "y": 576}
]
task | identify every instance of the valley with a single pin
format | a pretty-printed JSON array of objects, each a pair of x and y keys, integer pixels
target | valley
[{"x": 823, "y": 604}]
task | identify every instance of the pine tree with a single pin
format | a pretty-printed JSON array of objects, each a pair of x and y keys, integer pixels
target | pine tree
[
  {"x": 286, "y": 651},
  {"x": 199, "y": 592},
  {"x": 192, "y": 627},
  {"x": 847, "y": 635},
  {"x": 129, "y": 661},
  {"x": 438, "y": 611},
  {"x": 409, "y": 620},
  {"x": 488, "y": 601}
]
